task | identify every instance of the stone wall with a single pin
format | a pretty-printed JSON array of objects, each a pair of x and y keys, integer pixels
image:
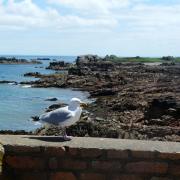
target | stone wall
[{"x": 43, "y": 158}]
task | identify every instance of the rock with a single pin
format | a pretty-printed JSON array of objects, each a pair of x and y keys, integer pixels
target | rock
[
  {"x": 103, "y": 92},
  {"x": 35, "y": 118},
  {"x": 172, "y": 111},
  {"x": 87, "y": 59},
  {"x": 75, "y": 71},
  {"x": 43, "y": 59},
  {"x": 58, "y": 65},
  {"x": 159, "y": 107},
  {"x": 99, "y": 119},
  {"x": 8, "y": 82},
  {"x": 168, "y": 58},
  {"x": 55, "y": 106},
  {"x": 33, "y": 74},
  {"x": 13, "y": 60},
  {"x": 168, "y": 64},
  {"x": 51, "y": 99}
]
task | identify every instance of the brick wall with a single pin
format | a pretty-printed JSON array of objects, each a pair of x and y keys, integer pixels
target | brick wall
[{"x": 32, "y": 158}]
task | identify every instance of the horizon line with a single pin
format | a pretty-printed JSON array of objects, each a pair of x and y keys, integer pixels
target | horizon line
[{"x": 1, "y": 55}]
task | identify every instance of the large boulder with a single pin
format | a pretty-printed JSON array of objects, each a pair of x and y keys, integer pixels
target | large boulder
[
  {"x": 59, "y": 65},
  {"x": 87, "y": 59},
  {"x": 168, "y": 58},
  {"x": 94, "y": 63}
]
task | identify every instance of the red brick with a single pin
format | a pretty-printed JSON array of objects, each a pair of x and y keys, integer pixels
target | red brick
[
  {"x": 174, "y": 169},
  {"x": 117, "y": 154},
  {"x": 147, "y": 167},
  {"x": 127, "y": 177},
  {"x": 23, "y": 162},
  {"x": 105, "y": 165},
  {"x": 55, "y": 151},
  {"x": 53, "y": 163},
  {"x": 160, "y": 178},
  {"x": 172, "y": 156},
  {"x": 3, "y": 177},
  {"x": 22, "y": 149},
  {"x": 73, "y": 164},
  {"x": 92, "y": 176},
  {"x": 91, "y": 153},
  {"x": 143, "y": 154},
  {"x": 72, "y": 151},
  {"x": 33, "y": 176},
  {"x": 62, "y": 176}
]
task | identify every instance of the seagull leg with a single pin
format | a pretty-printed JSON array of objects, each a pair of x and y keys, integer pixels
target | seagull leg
[{"x": 65, "y": 136}]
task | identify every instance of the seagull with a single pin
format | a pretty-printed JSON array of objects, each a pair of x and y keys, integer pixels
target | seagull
[{"x": 65, "y": 116}]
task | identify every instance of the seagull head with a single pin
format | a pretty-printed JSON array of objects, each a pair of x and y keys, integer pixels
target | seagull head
[{"x": 76, "y": 102}]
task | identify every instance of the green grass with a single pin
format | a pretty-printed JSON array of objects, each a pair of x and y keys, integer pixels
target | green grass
[
  {"x": 140, "y": 59},
  {"x": 177, "y": 59}
]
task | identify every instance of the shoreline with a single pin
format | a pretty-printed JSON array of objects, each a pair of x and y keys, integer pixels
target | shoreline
[{"x": 133, "y": 100}]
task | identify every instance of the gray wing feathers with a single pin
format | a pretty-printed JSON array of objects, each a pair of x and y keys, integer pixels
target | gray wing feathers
[{"x": 56, "y": 117}]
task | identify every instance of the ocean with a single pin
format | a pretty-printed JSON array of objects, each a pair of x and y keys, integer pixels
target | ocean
[{"x": 18, "y": 103}]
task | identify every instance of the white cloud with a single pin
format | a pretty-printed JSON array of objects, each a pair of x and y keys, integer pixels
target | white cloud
[
  {"x": 26, "y": 14},
  {"x": 158, "y": 17},
  {"x": 98, "y": 6},
  {"x": 130, "y": 15},
  {"x": 121, "y": 17}
]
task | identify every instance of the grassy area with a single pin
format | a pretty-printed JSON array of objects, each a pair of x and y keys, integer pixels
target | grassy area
[
  {"x": 177, "y": 59},
  {"x": 142, "y": 59}
]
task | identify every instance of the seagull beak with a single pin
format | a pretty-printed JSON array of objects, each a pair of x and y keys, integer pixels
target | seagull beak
[{"x": 83, "y": 105}]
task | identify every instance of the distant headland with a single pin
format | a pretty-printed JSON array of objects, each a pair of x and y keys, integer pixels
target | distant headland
[{"x": 13, "y": 60}]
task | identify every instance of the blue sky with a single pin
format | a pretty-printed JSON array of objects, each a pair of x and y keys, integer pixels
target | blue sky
[{"x": 74, "y": 27}]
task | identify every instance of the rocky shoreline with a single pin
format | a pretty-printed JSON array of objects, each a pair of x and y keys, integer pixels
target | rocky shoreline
[
  {"x": 133, "y": 100},
  {"x": 4, "y": 60}
]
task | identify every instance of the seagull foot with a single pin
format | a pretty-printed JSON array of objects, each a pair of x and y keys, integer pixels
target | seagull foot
[{"x": 67, "y": 138}]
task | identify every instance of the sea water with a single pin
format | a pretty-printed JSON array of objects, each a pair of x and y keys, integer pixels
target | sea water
[{"x": 18, "y": 103}]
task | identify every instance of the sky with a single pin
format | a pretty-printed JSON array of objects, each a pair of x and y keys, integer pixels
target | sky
[{"x": 77, "y": 27}]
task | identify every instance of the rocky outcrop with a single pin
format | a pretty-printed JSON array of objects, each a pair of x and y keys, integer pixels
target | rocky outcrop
[
  {"x": 51, "y": 99},
  {"x": 8, "y": 82},
  {"x": 35, "y": 118},
  {"x": 168, "y": 58},
  {"x": 92, "y": 63},
  {"x": 60, "y": 65},
  {"x": 86, "y": 59},
  {"x": 43, "y": 59},
  {"x": 33, "y": 74},
  {"x": 4, "y": 60}
]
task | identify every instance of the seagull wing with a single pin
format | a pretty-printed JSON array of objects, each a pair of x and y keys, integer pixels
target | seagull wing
[{"x": 57, "y": 116}]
